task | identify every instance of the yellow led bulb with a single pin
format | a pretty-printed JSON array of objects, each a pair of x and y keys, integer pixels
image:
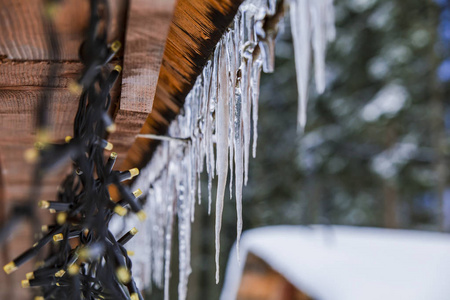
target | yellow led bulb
[{"x": 10, "y": 267}]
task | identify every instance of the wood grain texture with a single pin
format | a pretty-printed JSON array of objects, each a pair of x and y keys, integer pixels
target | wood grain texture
[
  {"x": 196, "y": 28},
  {"x": 20, "y": 90},
  {"x": 147, "y": 29},
  {"x": 21, "y": 85},
  {"x": 24, "y": 37}
]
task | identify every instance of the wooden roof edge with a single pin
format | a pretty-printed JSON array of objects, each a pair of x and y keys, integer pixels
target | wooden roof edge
[{"x": 196, "y": 28}]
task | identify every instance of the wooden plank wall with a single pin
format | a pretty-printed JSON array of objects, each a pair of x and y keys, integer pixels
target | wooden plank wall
[
  {"x": 24, "y": 71},
  {"x": 260, "y": 281}
]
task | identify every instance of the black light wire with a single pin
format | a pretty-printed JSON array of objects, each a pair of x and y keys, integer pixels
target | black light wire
[{"x": 95, "y": 265}]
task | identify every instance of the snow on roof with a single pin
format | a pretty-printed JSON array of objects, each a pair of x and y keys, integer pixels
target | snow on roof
[{"x": 350, "y": 263}]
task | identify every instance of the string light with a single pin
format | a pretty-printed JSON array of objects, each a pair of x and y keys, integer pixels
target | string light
[{"x": 94, "y": 264}]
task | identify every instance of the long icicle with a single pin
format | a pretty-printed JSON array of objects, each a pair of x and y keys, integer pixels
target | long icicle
[
  {"x": 222, "y": 147},
  {"x": 301, "y": 35}
]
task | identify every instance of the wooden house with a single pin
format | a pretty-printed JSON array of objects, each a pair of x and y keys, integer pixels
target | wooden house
[
  {"x": 165, "y": 45},
  {"x": 338, "y": 263}
]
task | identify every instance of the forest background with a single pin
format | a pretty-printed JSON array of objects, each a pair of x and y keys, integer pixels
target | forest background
[{"x": 376, "y": 145}]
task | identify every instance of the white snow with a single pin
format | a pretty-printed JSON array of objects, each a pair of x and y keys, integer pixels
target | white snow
[
  {"x": 217, "y": 127},
  {"x": 350, "y": 263},
  {"x": 387, "y": 102}
]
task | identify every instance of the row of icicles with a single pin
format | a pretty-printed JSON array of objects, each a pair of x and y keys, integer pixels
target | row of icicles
[{"x": 219, "y": 119}]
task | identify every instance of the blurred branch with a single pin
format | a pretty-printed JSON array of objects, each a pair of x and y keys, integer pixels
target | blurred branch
[{"x": 437, "y": 111}]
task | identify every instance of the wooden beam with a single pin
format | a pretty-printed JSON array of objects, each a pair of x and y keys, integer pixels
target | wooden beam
[{"x": 147, "y": 28}]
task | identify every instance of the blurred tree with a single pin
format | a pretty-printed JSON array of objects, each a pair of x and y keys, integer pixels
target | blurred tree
[{"x": 376, "y": 145}]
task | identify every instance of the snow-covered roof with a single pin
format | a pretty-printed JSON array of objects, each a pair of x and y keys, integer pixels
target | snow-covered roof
[{"x": 350, "y": 263}]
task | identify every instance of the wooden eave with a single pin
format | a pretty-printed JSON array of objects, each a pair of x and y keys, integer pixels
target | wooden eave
[{"x": 196, "y": 28}]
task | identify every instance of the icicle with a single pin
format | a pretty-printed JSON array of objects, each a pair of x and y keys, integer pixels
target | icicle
[
  {"x": 231, "y": 69},
  {"x": 245, "y": 68},
  {"x": 167, "y": 258},
  {"x": 246, "y": 110},
  {"x": 316, "y": 17},
  {"x": 268, "y": 49},
  {"x": 184, "y": 228},
  {"x": 300, "y": 26},
  {"x": 318, "y": 42},
  {"x": 213, "y": 99},
  {"x": 256, "y": 75},
  {"x": 199, "y": 188},
  {"x": 209, "y": 193},
  {"x": 168, "y": 245},
  {"x": 208, "y": 132},
  {"x": 238, "y": 159},
  {"x": 272, "y": 6},
  {"x": 205, "y": 113},
  {"x": 188, "y": 128},
  {"x": 222, "y": 148},
  {"x": 158, "y": 237},
  {"x": 192, "y": 182},
  {"x": 330, "y": 21}
]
